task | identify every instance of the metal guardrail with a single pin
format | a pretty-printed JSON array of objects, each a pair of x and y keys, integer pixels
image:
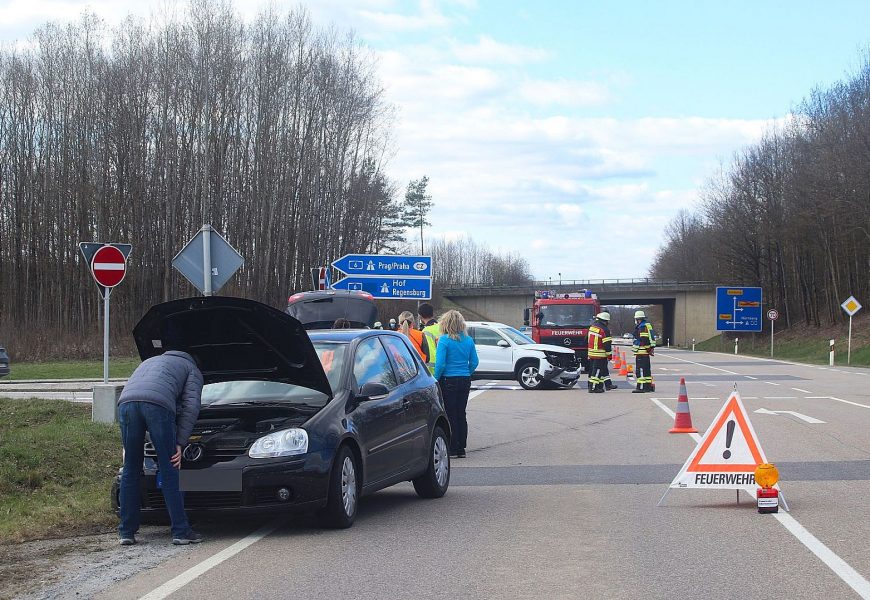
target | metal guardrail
[{"x": 578, "y": 284}]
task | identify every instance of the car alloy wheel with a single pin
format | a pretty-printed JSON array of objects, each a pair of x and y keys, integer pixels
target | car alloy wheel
[
  {"x": 348, "y": 486},
  {"x": 530, "y": 378}
]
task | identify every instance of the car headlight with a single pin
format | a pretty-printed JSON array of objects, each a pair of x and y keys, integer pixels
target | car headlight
[{"x": 280, "y": 443}]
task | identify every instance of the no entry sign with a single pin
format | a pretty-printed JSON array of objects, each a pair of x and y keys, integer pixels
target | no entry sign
[{"x": 108, "y": 266}]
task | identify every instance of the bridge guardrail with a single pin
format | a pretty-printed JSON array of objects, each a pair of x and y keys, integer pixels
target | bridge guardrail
[{"x": 574, "y": 285}]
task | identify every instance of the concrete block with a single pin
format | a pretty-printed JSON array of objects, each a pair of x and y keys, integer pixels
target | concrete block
[{"x": 105, "y": 406}]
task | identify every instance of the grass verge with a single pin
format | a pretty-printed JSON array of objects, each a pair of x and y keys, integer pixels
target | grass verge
[
  {"x": 812, "y": 349},
  {"x": 56, "y": 468},
  {"x": 72, "y": 369}
]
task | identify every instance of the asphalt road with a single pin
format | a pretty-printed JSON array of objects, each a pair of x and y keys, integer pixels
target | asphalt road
[{"x": 557, "y": 499}]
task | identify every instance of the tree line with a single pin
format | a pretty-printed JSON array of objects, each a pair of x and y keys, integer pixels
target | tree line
[
  {"x": 791, "y": 213},
  {"x": 274, "y": 132}
]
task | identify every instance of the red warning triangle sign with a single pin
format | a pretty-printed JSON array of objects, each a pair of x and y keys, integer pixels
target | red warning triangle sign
[{"x": 728, "y": 453}]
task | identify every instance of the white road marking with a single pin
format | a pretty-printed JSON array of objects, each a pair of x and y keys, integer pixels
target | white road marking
[
  {"x": 708, "y": 384},
  {"x": 848, "y": 402},
  {"x": 181, "y": 580},
  {"x": 802, "y": 417},
  {"x": 780, "y": 398},
  {"x": 475, "y": 394},
  {"x": 702, "y": 365},
  {"x": 840, "y": 567},
  {"x": 750, "y": 377},
  {"x": 803, "y": 391},
  {"x": 770, "y": 383}
]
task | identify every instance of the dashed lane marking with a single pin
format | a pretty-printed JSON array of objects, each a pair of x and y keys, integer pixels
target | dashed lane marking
[
  {"x": 802, "y": 391},
  {"x": 770, "y": 383},
  {"x": 840, "y": 567},
  {"x": 702, "y": 365},
  {"x": 750, "y": 377}
]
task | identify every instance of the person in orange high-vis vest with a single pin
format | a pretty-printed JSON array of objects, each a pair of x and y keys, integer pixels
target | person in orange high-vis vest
[{"x": 406, "y": 326}]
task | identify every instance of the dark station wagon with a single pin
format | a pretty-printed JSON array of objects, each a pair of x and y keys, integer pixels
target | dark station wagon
[{"x": 296, "y": 420}]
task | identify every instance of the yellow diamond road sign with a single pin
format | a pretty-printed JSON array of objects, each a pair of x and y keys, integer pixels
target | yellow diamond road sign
[{"x": 851, "y": 306}]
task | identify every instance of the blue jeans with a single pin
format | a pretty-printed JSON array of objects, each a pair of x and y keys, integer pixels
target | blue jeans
[{"x": 136, "y": 418}]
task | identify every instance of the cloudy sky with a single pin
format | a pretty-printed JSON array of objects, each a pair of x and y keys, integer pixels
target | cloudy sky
[{"x": 551, "y": 127}]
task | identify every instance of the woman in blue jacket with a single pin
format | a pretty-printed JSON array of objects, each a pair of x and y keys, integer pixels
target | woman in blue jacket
[{"x": 455, "y": 361}]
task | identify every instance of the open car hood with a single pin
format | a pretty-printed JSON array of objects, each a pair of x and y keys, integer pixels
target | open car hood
[{"x": 233, "y": 339}]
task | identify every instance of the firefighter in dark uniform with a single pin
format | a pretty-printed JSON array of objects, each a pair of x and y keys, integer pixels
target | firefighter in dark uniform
[
  {"x": 599, "y": 351},
  {"x": 644, "y": 347}
]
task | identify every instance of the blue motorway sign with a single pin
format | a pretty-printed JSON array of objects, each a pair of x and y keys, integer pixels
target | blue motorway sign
[
  {"x": 738, "y": 309},
  {"x": 396, "y": 288},
  {"x": 385, "y": 264}
]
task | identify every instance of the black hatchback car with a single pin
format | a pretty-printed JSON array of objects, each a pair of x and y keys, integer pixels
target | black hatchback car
[{"x": 292, "y": 422}]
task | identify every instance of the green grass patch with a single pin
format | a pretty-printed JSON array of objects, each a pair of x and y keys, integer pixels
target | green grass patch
[
  {"x": 72, "y": 369},
  {"x": 812, "y": 350},
  {"x": 56, "y": 468}
]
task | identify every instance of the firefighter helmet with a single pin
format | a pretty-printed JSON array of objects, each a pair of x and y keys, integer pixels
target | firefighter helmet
[
  {"x": 639, "y": 314},
  {"x": 603, "y": 316}
]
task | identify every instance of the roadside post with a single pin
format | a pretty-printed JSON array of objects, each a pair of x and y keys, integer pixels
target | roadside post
[
  {"x": 851, "y": 306},
  {"x": 773, "y": 315},
  {"x": 693, "y": 344},
  {"x": 831, "y": 356},
  {"x": 208, "y": 261},
  {"x": 108, "y": 267},
  {"x": 735, "y": 345}
]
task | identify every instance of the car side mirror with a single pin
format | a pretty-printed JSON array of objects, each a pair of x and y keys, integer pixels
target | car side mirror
[
  {"x": 527, "y": 313},
  {"x": 503, "y": 344},
  {"x": 372, "y": 391}
]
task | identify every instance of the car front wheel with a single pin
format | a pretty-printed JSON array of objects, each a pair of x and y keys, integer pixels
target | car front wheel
[
  {"x": 341, "y": 504},
  {"x": 433, "y": 483},
  {"x": 529, "y": 377}
]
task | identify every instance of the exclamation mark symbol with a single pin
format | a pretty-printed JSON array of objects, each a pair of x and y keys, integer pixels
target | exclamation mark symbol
[{"x": 729, "y": 435}]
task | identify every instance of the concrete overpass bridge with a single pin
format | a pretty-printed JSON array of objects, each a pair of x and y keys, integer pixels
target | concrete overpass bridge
[{"x": 689, "y": 308}]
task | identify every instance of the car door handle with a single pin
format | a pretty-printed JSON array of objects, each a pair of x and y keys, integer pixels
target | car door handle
[{"x": 406, "y": 402}]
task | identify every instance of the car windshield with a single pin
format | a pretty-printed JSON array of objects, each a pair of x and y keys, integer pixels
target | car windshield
[
  {"x": 517, "y": 337},
  {"x": 566, "y": 315},
  {"x": 331, "y": 356}
]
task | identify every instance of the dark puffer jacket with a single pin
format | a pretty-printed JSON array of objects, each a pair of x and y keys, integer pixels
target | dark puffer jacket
[{"x": 171, "y": 380}]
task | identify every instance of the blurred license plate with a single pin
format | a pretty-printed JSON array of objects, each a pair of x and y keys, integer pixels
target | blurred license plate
[{"x": 211, "y": 480}]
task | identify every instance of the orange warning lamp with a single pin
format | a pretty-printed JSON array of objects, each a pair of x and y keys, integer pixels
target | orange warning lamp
[
  {"x": 767, "y": 496},
  {"x": 766, "y": 475}
]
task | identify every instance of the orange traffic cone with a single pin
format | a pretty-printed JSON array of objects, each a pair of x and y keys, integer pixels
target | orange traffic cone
[
  {"x": 683, "y": 418},
  {"x": 617, "y": 363},
  {"x": 623, "y": 370}
]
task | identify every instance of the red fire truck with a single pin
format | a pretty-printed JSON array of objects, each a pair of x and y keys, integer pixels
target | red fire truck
[{"x": 563, "y": 319}]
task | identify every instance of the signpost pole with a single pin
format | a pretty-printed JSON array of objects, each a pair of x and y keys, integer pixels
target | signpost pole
[
  {"x": 771, "y": 337},
  {"x": 206, "y": 259},
  {"x": 106, "y": 297},
  {"x": 849, "y": 351}
]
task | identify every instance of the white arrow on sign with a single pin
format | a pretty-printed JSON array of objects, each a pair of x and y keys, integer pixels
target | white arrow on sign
[{"x": 800, "y": 416}]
